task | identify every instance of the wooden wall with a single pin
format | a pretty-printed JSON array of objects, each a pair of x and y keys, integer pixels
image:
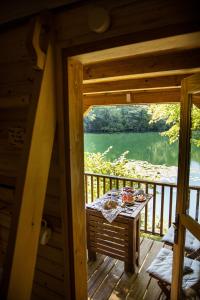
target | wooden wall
[
  {"x": 131, "y": 22},
  {"x": 19, "y": 88}
]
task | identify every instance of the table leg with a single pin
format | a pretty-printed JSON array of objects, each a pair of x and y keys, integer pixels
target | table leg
[
  {"x": 138, "y": 241},
  {"x": 130, "y": 265}
]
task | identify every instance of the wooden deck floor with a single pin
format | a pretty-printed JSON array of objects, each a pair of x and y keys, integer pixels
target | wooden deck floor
[{"x": 107, "y": 280}]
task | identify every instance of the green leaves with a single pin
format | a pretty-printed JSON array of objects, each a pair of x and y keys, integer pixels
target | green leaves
[
  {"x": 134, "y": 118},
  {"x": 97, "y": 163},
  {"x": 171, "y": 114}
]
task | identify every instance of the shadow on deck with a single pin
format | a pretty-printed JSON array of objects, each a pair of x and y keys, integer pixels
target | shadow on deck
[{"x": 107, "y": 280}]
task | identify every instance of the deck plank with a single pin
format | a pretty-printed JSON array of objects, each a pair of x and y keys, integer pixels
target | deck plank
[
  {"x": 139, "y": 287},
  {"x": 110, "y": 281},
  {"x": 127, "y": 279},
  {"x": 98, "y": 277},
  {"x": 107, "y": 279},
  {"x": 94, "y": 265},
  {"x": 153, "y": 291}
]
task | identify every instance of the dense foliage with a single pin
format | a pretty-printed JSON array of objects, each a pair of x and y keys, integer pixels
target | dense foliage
[
  {"x": 98, "y": 163},
  {"x": 127, "y": 118},
  {"x": 171, "y": 113}
]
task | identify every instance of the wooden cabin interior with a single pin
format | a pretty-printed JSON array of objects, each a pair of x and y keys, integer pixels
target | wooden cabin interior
[{"x": 56, "y": 62}]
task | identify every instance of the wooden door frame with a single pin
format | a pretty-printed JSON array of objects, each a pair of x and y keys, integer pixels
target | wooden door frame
[
  {"x": 74, "y": 232},
  {"x": 188, "y": 87},
  {"x": 70, "y": 140}
]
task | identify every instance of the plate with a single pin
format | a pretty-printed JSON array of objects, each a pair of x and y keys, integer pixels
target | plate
[
  {"x": 143, "y": 200},
  {"x": 130, "y": 203}
]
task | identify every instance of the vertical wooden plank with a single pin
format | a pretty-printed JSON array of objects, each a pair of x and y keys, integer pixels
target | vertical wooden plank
[
  {"x": 197, "y": 207},
  {"x": 104, "y": 185},
  {"x": 130, "y": 264},
  {"x": 110, "y": 183},
  {"x": 97, "y": 186},
  {"x": 117, "y": 183},
  {"x": 154, "y": 208},
  {"x": 182, "y": 189},
  {"x": 31, "y": 189},
  {"x": 162, "y": 209},
  {"x": 146, "y": 211},
  {"x": 92, "y": 187},
  {"x": 131, "y": 183},
  {"x": 75, "y": 78},
  {"x": 170, "y": 206},
  {"x": 64, "y": 167},
  {"x": 86, "y": 189}
]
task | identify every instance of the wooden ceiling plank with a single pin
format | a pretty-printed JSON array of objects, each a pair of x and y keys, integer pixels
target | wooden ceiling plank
[
  {"x": 172, "y": 96},
  {"x": 158, "y": 63},
  {"x": 134, "y": 84}
]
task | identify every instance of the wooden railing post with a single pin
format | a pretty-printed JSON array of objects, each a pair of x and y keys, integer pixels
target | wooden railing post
[{"x": 102, "y": 188}]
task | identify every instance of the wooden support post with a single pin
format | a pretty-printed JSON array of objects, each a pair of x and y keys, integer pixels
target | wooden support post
[
  {"x": 30, "y": 191},
  {"x": 75, "y": 73}
]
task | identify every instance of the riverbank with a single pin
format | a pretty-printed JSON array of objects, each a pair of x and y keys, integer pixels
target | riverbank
[{"x": 145, "y": 170}]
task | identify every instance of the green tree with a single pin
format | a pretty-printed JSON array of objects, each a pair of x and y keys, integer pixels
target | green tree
[
  {"x": 171, "y": 114},
  {"x": 127, "y": 118}
]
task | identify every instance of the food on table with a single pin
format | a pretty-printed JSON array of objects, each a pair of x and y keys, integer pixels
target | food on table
[
  {"x": 141, "y": 197},
  {"x": 138, "y": 192},
  {"x": 123, "y": 204},
  {"x": 127, "y": 189},
  {"x": 127, "y": 197},
  {"x": 110, "y": 204},
  {"x": 114, "y": 193}
]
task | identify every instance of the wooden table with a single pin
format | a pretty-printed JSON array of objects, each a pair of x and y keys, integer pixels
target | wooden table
[{"x": 119, "y": 239}]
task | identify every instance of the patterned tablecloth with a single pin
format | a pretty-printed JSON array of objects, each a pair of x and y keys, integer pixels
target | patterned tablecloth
[{"x": 111, "y": 214}]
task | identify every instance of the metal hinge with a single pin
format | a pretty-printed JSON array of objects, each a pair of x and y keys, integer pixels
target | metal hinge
[{"x": 175, "y": 225}]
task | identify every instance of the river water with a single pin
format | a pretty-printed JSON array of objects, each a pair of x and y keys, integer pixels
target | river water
[{"x": 150, "y": 147}]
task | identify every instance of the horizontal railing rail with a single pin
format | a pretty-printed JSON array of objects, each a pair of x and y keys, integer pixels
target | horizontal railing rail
[{"x": 159, "y": 213}]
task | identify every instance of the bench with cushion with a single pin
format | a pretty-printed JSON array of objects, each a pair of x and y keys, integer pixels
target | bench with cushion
[
  {"x": 191, "y": 242},
  {"x": 161, "y": 269}
]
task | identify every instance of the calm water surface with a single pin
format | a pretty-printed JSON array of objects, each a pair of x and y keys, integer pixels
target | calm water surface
[{"x": 150, "y": 147}]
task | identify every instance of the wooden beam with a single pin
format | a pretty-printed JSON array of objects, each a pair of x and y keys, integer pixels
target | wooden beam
[
  {"x": 134, "y": 84},
  {"x": 191, "y": 225},
  {"x": 31, "y": 190},
  {"x": 76, "y": 177},
  {"x": 148, "y": 97},
  {"x": 171, "y": 43},
  {"x": 157, "y": 64}
]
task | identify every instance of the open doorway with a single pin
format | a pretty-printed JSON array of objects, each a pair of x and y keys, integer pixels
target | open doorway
[
  {"x": 124, "y": 148},
  {"x": 158, "y": 91}
]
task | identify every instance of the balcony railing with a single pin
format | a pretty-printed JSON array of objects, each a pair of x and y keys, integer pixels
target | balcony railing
[{"x": 159, "y": 213}]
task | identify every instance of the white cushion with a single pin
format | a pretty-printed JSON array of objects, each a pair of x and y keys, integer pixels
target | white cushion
[
  {"x": 191, "y": 243},
  {"x": 161, "y": 268}
]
